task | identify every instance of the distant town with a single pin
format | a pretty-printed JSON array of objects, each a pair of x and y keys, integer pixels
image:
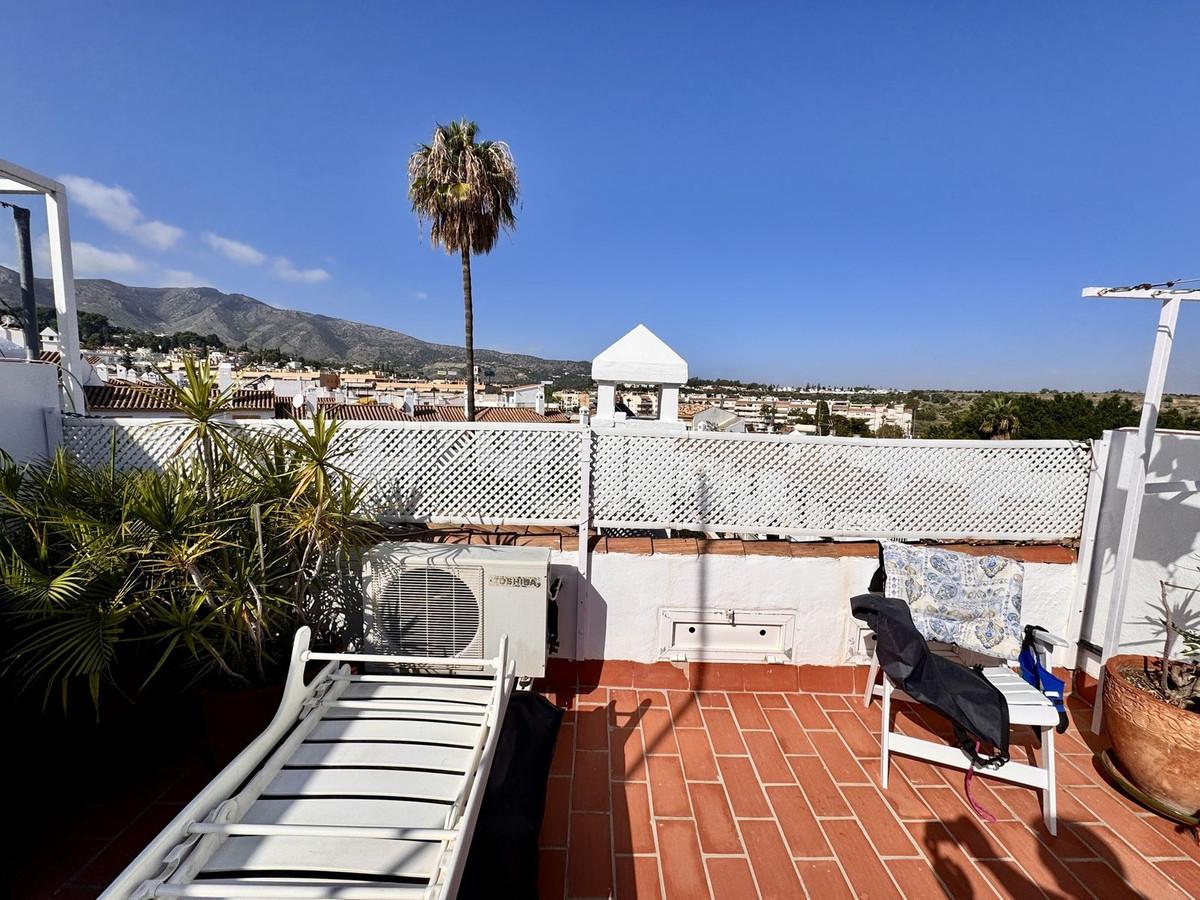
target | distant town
[
  {"x": 121, "y": 380},
  {"x": 125, "y": 378}
]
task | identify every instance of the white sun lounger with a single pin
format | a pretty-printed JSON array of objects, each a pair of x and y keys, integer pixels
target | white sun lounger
[{"x": 363, "y": 787}]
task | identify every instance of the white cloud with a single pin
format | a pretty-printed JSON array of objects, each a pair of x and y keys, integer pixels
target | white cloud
[
  {"x": 288, "y": 272},
  {"x": 116, "y": 208},
  {"x": 180, "y": 278},
  {"x": 92, "y": 260},
  {"x": 420, "y": 295},
  {"x": 235, "y": 251}
]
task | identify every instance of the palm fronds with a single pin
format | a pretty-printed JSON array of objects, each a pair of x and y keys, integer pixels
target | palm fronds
[
  {"x": 999, "y": 419},
  {"x": 204, "y": 567},
  {"x": 465, "y": 191}
]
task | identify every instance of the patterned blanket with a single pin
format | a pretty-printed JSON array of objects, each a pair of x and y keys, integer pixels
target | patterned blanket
[{"x": 971, "y": 601}]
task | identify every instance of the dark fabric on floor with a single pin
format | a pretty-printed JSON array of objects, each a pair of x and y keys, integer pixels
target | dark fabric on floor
[
  {"x": 503, "y": 859},
  {"x": 963, "y": 696}
]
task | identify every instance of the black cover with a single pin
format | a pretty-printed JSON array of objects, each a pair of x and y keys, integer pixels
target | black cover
[
  {"x": 974, "y": 705},
  {"x": 503, "y": 860}
]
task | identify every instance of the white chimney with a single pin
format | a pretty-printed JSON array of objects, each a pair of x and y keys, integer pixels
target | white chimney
[
  {"x": 224, "y": 376},
  {"x": 639, "y": 358},
  {"x": 410, "y": 401},
  {"x": 539, "y": 403}
]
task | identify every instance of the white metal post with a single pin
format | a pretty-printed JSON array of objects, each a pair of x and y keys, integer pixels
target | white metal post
[
  {"x": 1087, "y": 545},
  {"x": 1136, "y": 467},
  {"x": 62, "y": 271},
  {"x": 16, "y": 179},
  {"x": 583, "y": 561}
]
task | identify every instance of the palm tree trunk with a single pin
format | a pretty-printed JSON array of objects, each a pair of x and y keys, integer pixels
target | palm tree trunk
[{"x": 469, "y": 318}]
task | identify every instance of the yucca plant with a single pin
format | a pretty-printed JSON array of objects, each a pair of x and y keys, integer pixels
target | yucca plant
[
  {"x": 1179, "y": 662},
  {"x": 203, "y": 568},
  {"x": 206, "y": 408}
]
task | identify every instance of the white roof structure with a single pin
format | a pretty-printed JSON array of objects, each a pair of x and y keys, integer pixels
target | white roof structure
[
  {"x": 714, "y": 418},
  {"x": 1169, "y": 301},
  {"x": 17, "y": 180},
  {"x": 640, "y": 357}
]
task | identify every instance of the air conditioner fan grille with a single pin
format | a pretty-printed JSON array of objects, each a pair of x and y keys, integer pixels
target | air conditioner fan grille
[{"x": 429, "y": 611}]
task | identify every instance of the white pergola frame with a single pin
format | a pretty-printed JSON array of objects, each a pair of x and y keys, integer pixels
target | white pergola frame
[
  {"x": 1137, "y": 466},
  {"x": 15, "y": 179}
]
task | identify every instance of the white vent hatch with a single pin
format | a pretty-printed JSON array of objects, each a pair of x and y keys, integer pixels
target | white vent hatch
[{"x": 726, "y": 635}]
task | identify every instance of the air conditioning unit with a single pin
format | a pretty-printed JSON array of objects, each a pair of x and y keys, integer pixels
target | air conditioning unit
[{"x": 456, "y": 600}]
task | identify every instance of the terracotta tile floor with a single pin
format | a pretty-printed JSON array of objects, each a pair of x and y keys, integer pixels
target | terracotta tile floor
[
  {"x": 738, "y": 795},
  {"x": 669, "y": 794}
]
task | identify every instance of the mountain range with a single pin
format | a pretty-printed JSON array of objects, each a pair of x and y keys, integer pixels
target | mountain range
[{"x": 240, "y": 319}]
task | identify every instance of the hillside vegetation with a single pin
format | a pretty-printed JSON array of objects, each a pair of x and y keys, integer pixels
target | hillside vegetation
[{"x": 237, "y": 319}]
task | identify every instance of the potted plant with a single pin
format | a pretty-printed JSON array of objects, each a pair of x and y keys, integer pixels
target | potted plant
[
  {"x": 1152, "y": 711},
  {"x": 193, "y": 574}
]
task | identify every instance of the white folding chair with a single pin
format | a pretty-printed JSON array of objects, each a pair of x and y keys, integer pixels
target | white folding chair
[{"x": 1026, "y": 706}]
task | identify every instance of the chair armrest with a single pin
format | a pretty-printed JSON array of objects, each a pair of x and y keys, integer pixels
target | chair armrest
[{"x": 1048, "y": 639}]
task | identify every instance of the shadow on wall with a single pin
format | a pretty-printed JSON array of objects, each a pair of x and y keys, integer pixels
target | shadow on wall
[
  {"x": 336, "y": 615},
  {"x": 1167, "y": 538}
]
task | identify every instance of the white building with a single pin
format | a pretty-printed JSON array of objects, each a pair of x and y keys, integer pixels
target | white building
[{"x": 716, "y": 419}]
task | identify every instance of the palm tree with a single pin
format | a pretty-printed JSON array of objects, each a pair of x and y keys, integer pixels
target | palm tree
[
  {"x": 466, "y": 192},
  {"x": 999, "y": 419}
]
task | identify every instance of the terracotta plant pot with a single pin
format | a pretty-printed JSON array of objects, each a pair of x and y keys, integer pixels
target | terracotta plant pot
[{"x": 1157, "y": 744}]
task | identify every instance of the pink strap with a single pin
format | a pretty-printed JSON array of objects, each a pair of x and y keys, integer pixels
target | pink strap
[{"x": 971, "y": 801}]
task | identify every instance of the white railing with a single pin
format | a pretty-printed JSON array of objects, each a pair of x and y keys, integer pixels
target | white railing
[
  {"x": 841, "y": 487},
  {"x": 767, "y": 484}
]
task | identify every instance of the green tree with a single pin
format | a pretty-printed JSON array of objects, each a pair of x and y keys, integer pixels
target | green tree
[
  {"x": 466, "y": 192},
  {"x": 999, "y": 419}
]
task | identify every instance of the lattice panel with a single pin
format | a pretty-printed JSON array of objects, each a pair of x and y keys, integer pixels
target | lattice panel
[
  {"x": 461, "y": 473},
  {"x": 498, "y": 474},
  {"x": 994, "y": 490},
  {"x": 415, "y": 472},
  {"x": 138, "y": 445}
]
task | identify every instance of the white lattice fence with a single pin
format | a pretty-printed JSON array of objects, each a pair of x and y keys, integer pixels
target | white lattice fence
[
  {"x": 485, "y": 473},
  {"x": 530, "y": 474},
  {"x": 841, "y": 487},
  {"x": 137, "y": 443},
  {"x": 491, "y": 474}
]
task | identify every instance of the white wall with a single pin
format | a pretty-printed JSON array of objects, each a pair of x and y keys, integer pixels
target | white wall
[
  {"x": 628, "y": 592},
  {"x": 1168, "y": 539},
  {"x": 26, "y": 391}
]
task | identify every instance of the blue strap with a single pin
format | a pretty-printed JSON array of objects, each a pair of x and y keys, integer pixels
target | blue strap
[{"x": 1040, "y": 677}]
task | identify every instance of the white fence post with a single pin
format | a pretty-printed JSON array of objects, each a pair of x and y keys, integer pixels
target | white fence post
[
  {"x": 1087, "y": 544},
  {"x": 585, "y": 520},
  {"x": 52, "y": 418}
]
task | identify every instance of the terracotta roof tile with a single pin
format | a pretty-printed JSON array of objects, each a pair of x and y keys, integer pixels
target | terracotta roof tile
[
  {"x": 152, "y": 398},
  {"x": 366, "y": 412},
  {"x": 53, "y": 356},
  {"x": 383, "y": 412}
]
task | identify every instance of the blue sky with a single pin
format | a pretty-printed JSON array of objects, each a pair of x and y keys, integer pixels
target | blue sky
[{"x": 892, "y": 193}]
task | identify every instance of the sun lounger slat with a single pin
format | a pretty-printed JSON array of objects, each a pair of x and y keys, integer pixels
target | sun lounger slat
[{"x": 364, "y": 783}]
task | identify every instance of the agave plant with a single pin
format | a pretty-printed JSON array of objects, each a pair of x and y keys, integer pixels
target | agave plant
[{"x": 203, "y": 568}]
